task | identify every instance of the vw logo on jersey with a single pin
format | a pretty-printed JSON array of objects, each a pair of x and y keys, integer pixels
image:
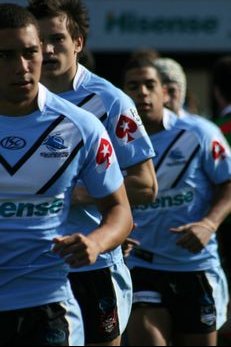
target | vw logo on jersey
[
  {"x": 54, "y": 143},
  {"x": 13, "y": 143}
]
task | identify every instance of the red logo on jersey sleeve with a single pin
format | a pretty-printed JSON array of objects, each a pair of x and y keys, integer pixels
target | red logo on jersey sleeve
[
  {"x": 218, "y": 151},
  {"x": 104, "y": 154},
  {"x": 125, "y": 128}
]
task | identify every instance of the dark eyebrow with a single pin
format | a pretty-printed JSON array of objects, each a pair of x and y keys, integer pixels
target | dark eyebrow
[
  {"x": 23, "y": 48},
  {"x": 144, "y": 81},
  {"x": 31, "y": 47},
  {"x": 57, "y": 35}
]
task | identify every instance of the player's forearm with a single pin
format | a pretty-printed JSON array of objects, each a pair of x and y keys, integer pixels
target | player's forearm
[
  {"x": 116, "y": 223},
  {"x": 114, "y": 229},
  {"x": 221, "y": 206}
]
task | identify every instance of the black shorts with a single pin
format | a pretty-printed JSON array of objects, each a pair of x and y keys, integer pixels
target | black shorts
[
  {"x": 38, "y": 326},
  {"x": 187, "y": 296},
  {"x": 96, "y": 296}
]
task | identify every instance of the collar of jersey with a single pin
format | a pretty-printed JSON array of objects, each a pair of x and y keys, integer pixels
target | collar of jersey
[
  {"x": 169, "y": 119},
  {"x": 79, "y": 77},
  {"x": 42, "y": 97}
]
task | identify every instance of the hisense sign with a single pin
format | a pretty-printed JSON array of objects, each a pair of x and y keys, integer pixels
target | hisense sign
[
  {"x": 172, "y": 25},
  {"x": 133, "y": 23}
]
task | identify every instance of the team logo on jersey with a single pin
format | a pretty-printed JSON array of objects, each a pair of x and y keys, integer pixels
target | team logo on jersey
[
  {"x": 177, "y": 157},
  {"x": 104, "y": 154},
  {"x": 126, "y": 129},
  {"x": 218, "y": 151},
  {"x": 13, "y": 143},
  {"x": 176, "y": 154},
  {"x": 55, "y": 144}
]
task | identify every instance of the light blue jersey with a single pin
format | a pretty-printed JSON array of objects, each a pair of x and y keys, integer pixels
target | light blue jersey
[
  {"x": 132, "y": 145},
  {"x": 192, "y": 157},
  {"x": 42, "y": 155}
]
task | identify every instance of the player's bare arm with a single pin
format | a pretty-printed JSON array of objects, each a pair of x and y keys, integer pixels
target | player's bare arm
[
  {"x": 197, "y": 235},
  {"x": 141, "y": 183},
  {"x": 80, "y": 250}
]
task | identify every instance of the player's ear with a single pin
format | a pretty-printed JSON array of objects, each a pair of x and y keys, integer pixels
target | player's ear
[
  {"x": 166, "y": 96},
  {"x": 78, "y": 44}
]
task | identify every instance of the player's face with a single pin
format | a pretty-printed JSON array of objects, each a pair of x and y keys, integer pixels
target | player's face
[
  {"x": 20, "y": 65},
  {"x": 174, "y": 93},
  {"x": 59, "y": 49},
  {"x": 145, "y": 88}
]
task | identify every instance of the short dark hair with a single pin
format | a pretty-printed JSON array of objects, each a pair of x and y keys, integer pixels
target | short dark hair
[
  {"x": 222, "y": 76},
  {"x": 77, "y": 14},
  {"x": 13, "y": 16},
  {"x": 139, "y": 61}
]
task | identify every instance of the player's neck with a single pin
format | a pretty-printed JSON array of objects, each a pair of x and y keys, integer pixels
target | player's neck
[
  {"x": 154, "y": 126},
  {"x": 17, "y": 109}
]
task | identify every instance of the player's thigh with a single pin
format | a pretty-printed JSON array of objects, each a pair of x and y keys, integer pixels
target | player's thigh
[
  {"x": 209, "y": 339},
  {"x": 190, "y": 298},
  {"x": 149, "y": 325},
  {"x": 59, "y": 324},
  {"x": 150, "y": 322},
  {"x": 218, "y": 282},
  {"x": 105, "y": 297},
  {"x": 54, "y": 324}
]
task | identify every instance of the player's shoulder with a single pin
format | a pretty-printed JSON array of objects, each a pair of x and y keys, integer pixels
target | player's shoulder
[
  {"x": 105, "y": 89},
  {"x": 82, "y": 119},
  {"x": 197, "y": 124}
]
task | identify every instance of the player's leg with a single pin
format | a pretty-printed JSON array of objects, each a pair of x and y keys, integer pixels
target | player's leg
[
  {"x": 149, "y": 326},
  {"x": 105, "y": 297},
  {"x": 200, "y": 307},
  {"x": 54, "y": 324},
  {"x": 150, "y": 322},
  {"x": 196, "y": 339}
]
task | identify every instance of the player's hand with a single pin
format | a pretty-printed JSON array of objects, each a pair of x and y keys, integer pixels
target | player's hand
[
  {"x": 128, "y": 246},
  {"x": 195, "y": 236},
  {"x": 77, "y": 250}
]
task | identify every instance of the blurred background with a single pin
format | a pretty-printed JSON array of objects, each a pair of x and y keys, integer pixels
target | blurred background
[{"x": 193, "y": 32}]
